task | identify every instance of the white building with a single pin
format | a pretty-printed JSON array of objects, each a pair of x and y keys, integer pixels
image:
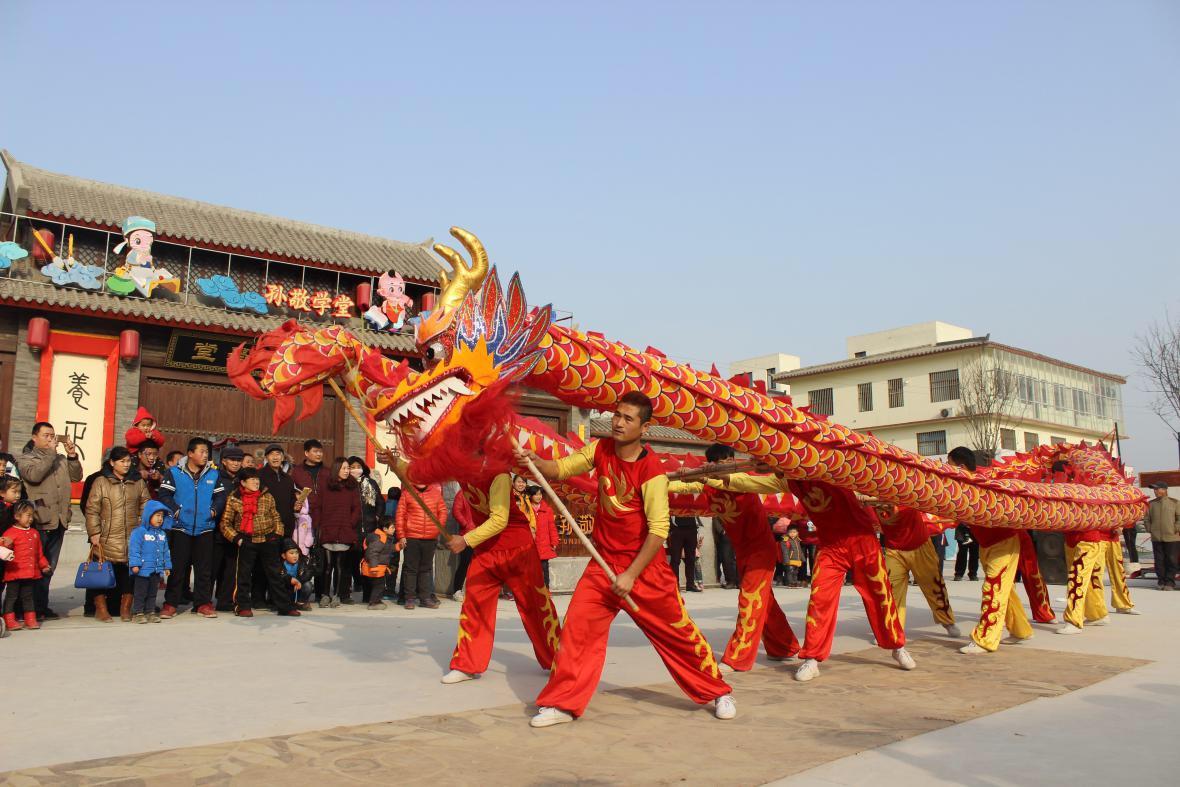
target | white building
[
  {"x": 766, "y": 368},
  {"x": 921, "y": 387}
]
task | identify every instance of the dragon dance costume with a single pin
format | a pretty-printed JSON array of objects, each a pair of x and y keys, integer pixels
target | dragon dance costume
[
  {"x": 847, "y": 542},
  {"x": 908, "y": 550},
  {"x": 1000, "y": 608},
  {"x": 760, "y": 618},
  {"x": 1034, "y": 583},
  {"x": 632, "y": 502},
  {"x": 504, "y": 554}
]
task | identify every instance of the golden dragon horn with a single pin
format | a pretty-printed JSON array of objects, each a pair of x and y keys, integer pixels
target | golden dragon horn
[{"x": 467, "y": 278}]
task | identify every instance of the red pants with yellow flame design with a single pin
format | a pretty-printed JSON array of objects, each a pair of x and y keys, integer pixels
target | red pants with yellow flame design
[
  {"x": 520, "y": 570},
  {"x": 861, "y": 554},
  {"x": 661, "y": 617},
  {"x": 923, "y": 564},
  {"x": 1000, "y": 607},
  {"x": 760, "y": 618},
  {"x": 1034, "y": 583}
]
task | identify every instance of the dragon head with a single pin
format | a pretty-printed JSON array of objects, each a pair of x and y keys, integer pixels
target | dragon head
[{"x": 481, "y": 334}]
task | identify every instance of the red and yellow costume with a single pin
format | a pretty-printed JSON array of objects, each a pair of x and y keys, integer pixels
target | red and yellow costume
[
  {"x": 1120, "y": 594},
  {"x": 632, "y": 502},
  {"x": 760, "y": 618},
  {"x": 847, "y": 541},
  {"x": 504, "y": 555},
  {"x": 999, "y": 551},
  {"x": 906, "y": 538},
  {"x": 1034, "y": 583},
  {"x": 1086, "y": 554}
]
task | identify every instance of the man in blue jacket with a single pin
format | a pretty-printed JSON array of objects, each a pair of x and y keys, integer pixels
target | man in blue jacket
[{"x": 193, "y": 492}]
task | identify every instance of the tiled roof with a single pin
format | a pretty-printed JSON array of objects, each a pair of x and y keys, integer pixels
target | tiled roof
[
  {"x": 601, "y": 427},
  {"x": 157, "y": 311},
  {"x": 69, "y": 198},
  {"x": 933, "y": 349}
]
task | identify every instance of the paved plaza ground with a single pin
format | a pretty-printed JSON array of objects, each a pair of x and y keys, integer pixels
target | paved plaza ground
[{"x": 352, "y": 696}]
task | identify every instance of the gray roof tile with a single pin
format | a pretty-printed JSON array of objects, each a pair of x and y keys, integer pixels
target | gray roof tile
[{"x": 67, "y": 197}]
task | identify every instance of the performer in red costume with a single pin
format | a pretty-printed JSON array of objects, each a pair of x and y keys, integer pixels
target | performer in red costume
[
  {"x": 631, "y": 523},
  {"x": 505, "y": 554},
  {"x": 906, "y": 538},
  {"x": 760, "y": 618},
  {"x": 999, "y": 551},
  {"x": 847, "y": 541},
  {"x": 1034, "y": 583}
]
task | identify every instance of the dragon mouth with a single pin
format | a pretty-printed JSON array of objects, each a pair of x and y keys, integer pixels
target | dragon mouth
[{"x": 418, "y": 412}]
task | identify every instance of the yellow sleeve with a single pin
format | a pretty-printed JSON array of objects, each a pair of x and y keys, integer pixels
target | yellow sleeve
[
  {"x": 744, "y": 482},
  {"x": 655, "y": 505},
  {"x": 685, "y": 487},
  {"x": 577, "y": 463},
  {"x": 499, "y": 498}
]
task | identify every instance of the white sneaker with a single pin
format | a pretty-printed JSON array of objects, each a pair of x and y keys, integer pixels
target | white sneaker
[
  {"x": 1102, "y": 621},
  {"x": 1128, "y": 611},
  {"x": 972, "y": 649},
  {"x": 1052, "y": 622},
  {"x": 1069, "y": 628},
  {"x": 904, "y": 659},
  {"x": 807, "y": 670},
  {"x": 457, "y": 676},
  {"x": 724, "y": 669},
  {"x": 1015, "y": 640},
  {"x": 952, "y": 630},
  {"x": 547, "y": 717},
  {"x": 725, "y": 707},
  {"x": 457, "y": 595}
]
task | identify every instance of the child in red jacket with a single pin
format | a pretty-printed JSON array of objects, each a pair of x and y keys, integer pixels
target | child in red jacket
[
  {"x": 144, "y": 429},
  {"x": 22, "y": 573},
  {"x": 546, "y": 532}
]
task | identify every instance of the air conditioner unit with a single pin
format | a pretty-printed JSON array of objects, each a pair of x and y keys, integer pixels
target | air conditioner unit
[{"x": 946, "y": 412}]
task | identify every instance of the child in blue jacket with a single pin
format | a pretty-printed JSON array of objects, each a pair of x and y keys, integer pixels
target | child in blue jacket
[{"x": 150, "y": 561}]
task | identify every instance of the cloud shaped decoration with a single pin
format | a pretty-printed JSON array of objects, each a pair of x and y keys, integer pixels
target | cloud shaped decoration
[
  {"x": 224, "y": 289},
  {"x": 64, "y": 273},
  {"x": 9, "y": 253}
]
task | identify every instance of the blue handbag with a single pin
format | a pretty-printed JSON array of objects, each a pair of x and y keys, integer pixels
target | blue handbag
[{"x": 95, "y": 574}]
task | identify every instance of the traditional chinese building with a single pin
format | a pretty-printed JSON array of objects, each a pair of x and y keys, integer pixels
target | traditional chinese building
[{"x": 78, "y": 353}]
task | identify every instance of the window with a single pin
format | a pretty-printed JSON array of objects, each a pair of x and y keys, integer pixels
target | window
[
  {"x": 864, "y": 396},
  {"x": 820, "y": 401},
  {"x": 1081, "y": 401},
  {"x": 860, "y": 354},
  {"x": 932, "y": 443},
  {"x": 770, "y": 384},
  {"x": 1059, "y": 397},
  {"x": 1008, "y": 439},
  {"x": 896, "y": 393},
  {"x": 1031, "y": 440},
  {"x": 944, "y": 386},
  {"x": 1057, "y": 441}
]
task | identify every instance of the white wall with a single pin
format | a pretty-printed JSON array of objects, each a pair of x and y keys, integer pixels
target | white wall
[
  {"x": 758, "y": 366},
  {"x": 904, "y": 337}
]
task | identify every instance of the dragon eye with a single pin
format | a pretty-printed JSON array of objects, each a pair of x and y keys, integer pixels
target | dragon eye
[{"x": 435, "y": 352}]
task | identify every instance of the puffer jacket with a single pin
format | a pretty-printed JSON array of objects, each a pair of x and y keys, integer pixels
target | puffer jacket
[
  {"x": 112, "y": 512},
  {"x": 336, "y": 514},
  {"x": 546, "y": 535},
  {"x": 196, "y": 502},
  {"x": 148, "y": 547},
  {"x": 267, "y": 523},
  {"x": 412, "y": 521},
  {"x": 47, "y": 476},
  {"x": 27, "y": 558}
]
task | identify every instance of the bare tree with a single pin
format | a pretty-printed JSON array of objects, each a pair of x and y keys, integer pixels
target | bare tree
[
  {"x": 1158, "y": 352},
  {"x": 990, "y": 401}
]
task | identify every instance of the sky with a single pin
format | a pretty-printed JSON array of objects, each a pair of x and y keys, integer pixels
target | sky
[{"x": 716, "y": 180}]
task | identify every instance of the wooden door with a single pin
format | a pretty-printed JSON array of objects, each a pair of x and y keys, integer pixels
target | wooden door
[{"x": 188, "y": 405}]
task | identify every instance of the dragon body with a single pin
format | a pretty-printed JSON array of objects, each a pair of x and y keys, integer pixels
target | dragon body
[{"x": 482, "y": 333}]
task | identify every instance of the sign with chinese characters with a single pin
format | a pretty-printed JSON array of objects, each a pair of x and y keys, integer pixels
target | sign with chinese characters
[
  {"x": 199, "y": 352},
  {"x": 77, "y": 403},
  {"x": 303, "y": 300}
]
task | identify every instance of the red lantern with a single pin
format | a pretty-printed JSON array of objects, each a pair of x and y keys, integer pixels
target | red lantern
[
  {"x": 38, "y": 336},
  {"x": 364, "y": 295},
  {"x": 129, "y": 345},
  {"x": 428, "y": 302},
  {"x": 39, "y": 252}
]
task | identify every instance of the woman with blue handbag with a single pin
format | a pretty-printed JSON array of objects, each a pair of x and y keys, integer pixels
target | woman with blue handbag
[{"x": 113, "y": 510}]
